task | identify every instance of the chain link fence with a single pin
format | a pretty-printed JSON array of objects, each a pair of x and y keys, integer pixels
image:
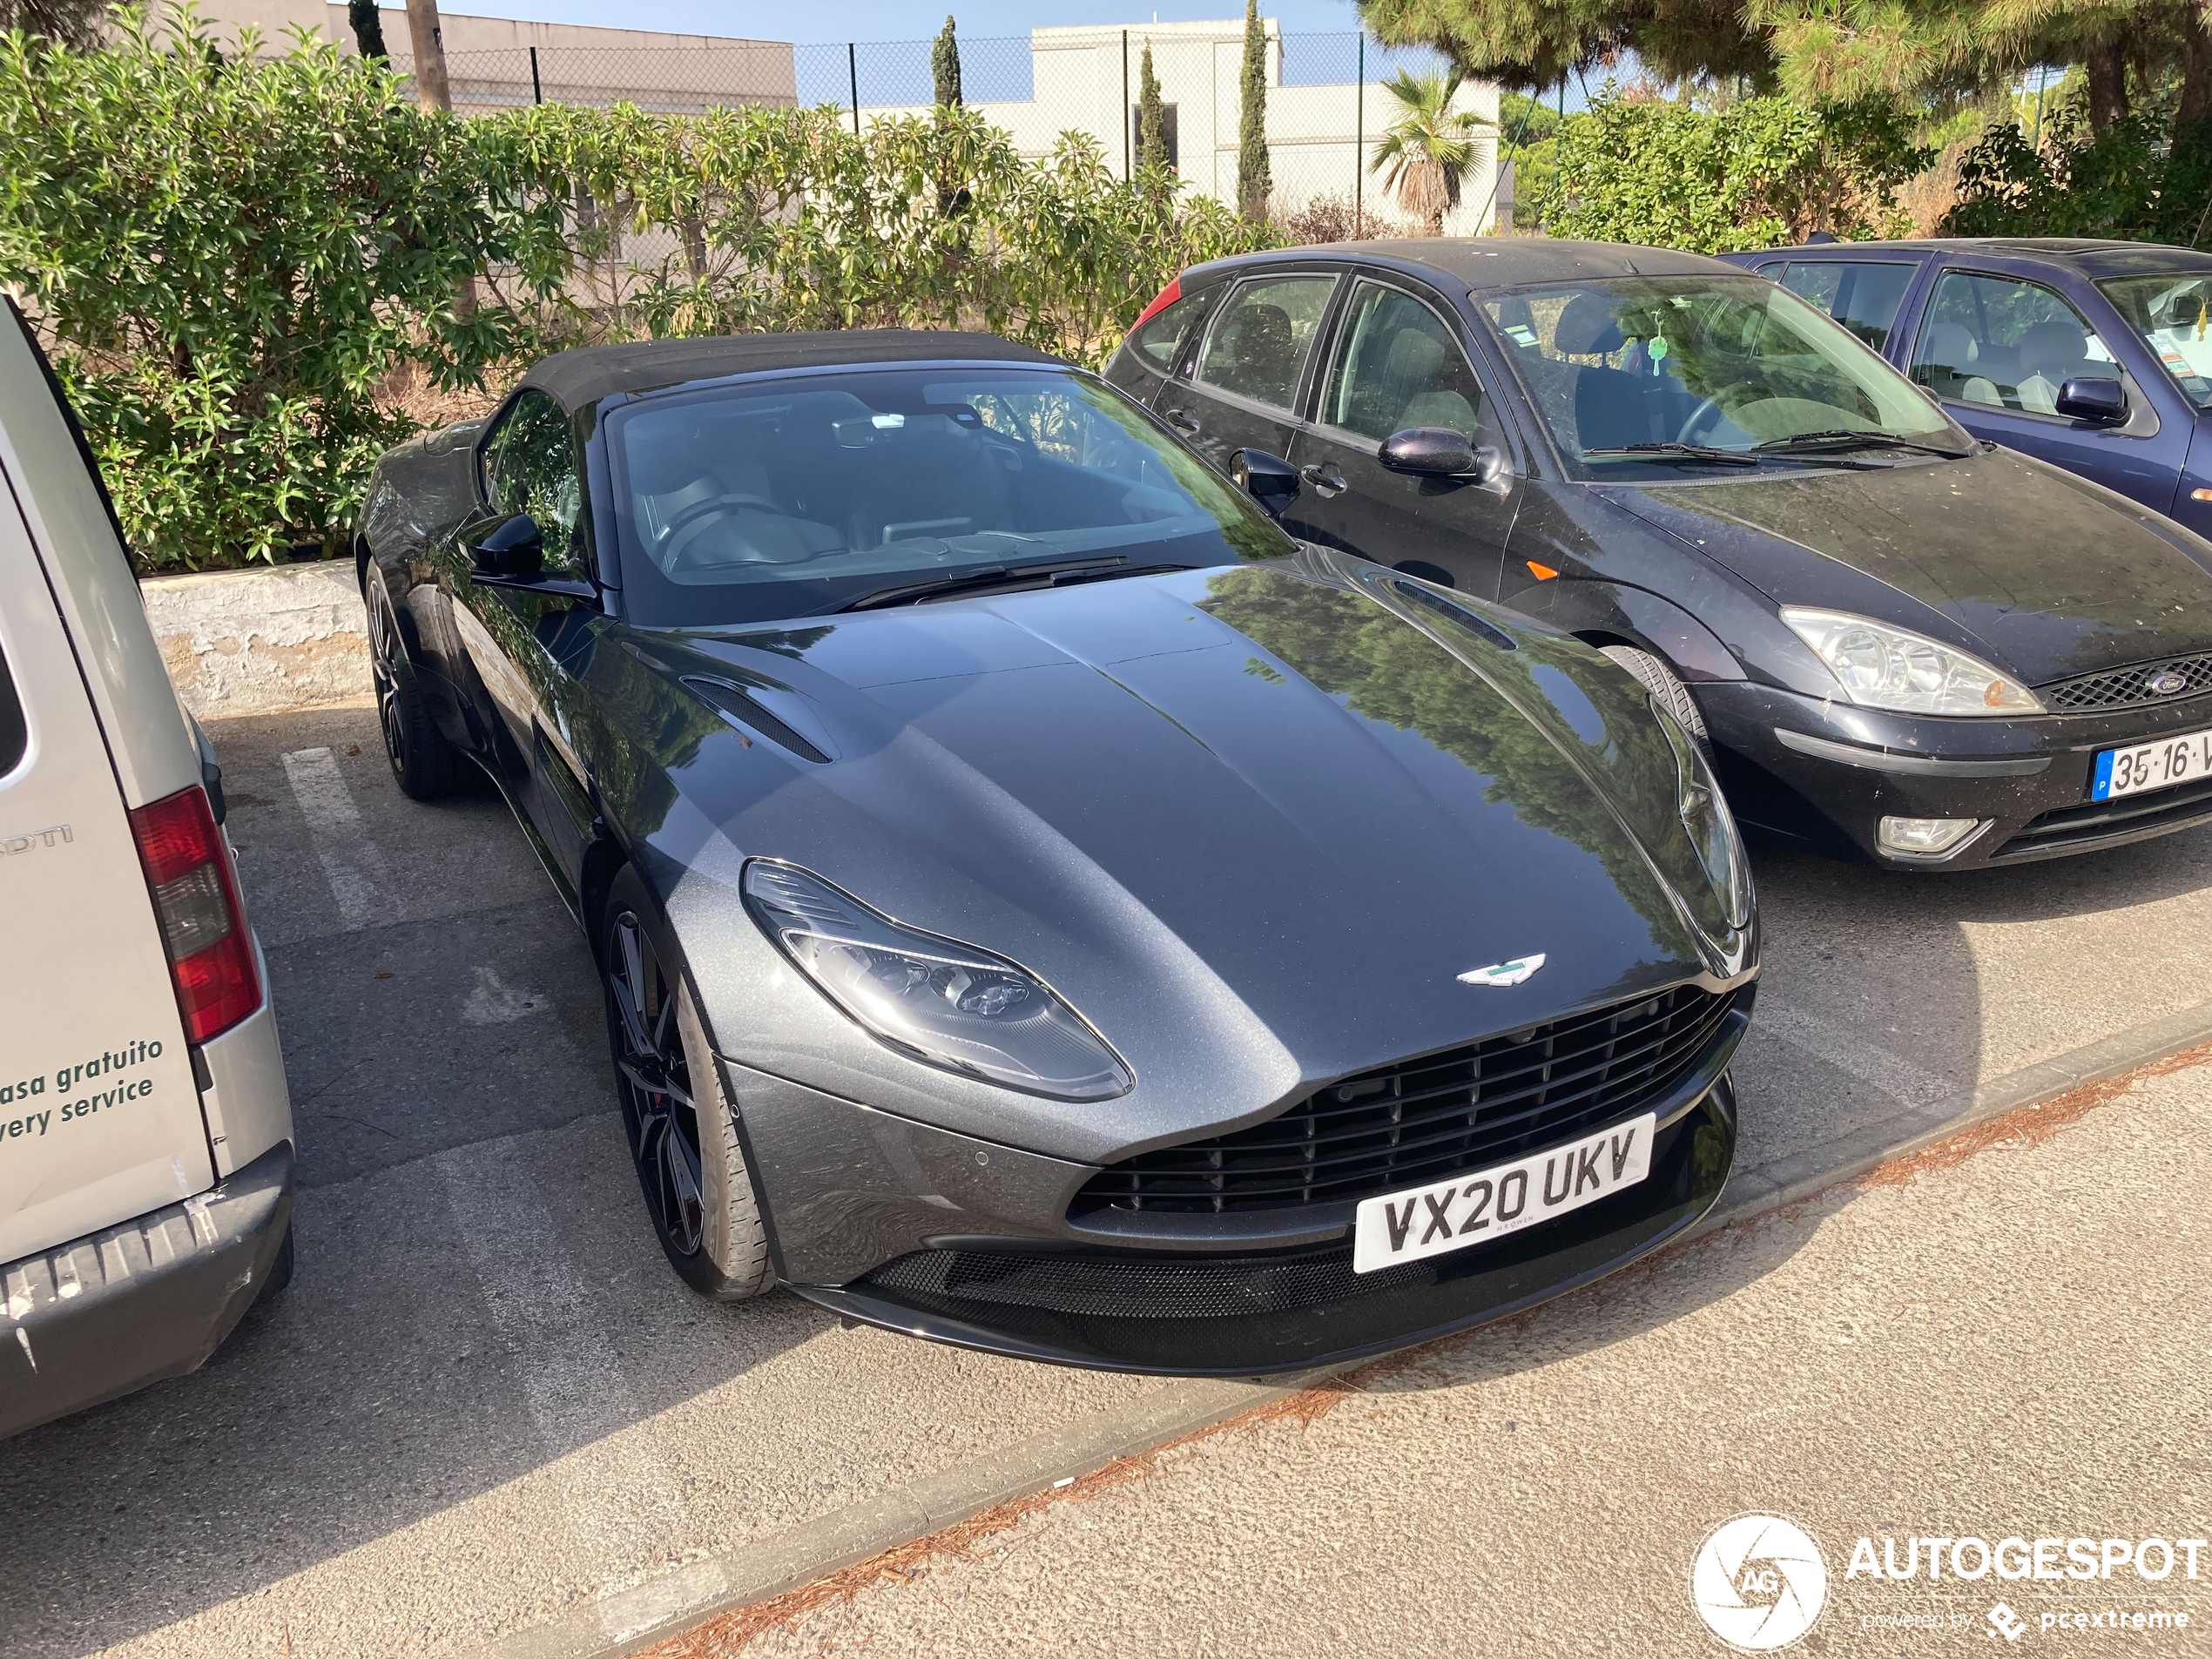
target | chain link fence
[{"x": 1326, "y": 104}]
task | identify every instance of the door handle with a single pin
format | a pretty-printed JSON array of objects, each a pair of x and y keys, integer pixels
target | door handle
[
  {"x": 1181, "y": 422},
  {"x": 1323, "y": 477}
]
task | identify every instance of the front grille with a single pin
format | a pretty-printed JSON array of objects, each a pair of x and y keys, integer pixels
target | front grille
[
  {"x": 1423, "y": 1120},
  {"x": 2120, "y": 688},
  {"x": 2072, "y": 829}
]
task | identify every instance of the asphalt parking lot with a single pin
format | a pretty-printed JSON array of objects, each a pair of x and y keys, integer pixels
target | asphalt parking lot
[{"x": 486, "y": 1404}]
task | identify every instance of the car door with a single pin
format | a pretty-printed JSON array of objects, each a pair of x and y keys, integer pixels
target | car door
[
  {"x": 528, "y": 644},
  {"x": 1394, "y": 362},
  {"x": 1997, "y": 348},
  {"x": 1251, "y": 365}
]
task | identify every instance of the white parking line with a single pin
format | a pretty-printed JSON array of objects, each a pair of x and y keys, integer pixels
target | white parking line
[
  {"x": 1894, "y": 1075},
  {"x": 351, "y": 863},
  {"x": 573, "y": 1383}
]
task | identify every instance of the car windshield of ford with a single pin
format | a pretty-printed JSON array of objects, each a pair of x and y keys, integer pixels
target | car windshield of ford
[
  {"x": 2171, "y": 311},
  {"x": 856, "y": 489},
  {"x": 1643, "y": 376}
]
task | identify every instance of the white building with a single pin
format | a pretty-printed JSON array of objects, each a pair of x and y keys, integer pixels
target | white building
[{"x": 1087, "y": 80}]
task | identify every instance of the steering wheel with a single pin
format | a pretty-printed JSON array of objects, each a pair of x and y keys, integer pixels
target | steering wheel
[
  {"x": 690, "y": 519},
  {"x": 1705, "y": 415}
]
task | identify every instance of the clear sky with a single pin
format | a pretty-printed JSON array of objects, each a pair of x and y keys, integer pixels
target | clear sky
[{"x": 896, "y": 19}]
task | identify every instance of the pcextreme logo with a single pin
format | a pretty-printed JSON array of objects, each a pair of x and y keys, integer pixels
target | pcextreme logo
[{"x": 1759, "y": 1583}]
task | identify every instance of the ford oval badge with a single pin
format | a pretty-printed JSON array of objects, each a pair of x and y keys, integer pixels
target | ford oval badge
[{"x": 2166, "y": 681}]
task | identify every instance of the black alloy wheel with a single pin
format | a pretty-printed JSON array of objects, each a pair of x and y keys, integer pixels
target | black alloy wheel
[{"x": 653, "y": 1079}]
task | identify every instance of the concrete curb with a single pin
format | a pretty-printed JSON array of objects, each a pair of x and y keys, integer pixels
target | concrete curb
[
  {"x": 259, "y": 642},
  {"x": 631, "y": 1619}
]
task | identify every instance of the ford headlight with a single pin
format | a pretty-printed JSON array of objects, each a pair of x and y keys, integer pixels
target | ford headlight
[
  {"x": 934, "y": 1000},
  {"x": 1882, "y": 667},
  {"x": 1705, "y": 818}
]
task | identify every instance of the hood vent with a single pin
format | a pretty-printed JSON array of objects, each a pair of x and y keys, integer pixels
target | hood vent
[{"x": 748, "y": 708}]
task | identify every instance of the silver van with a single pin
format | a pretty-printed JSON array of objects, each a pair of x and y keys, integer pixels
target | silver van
[{"x": 145, "y": 1130}]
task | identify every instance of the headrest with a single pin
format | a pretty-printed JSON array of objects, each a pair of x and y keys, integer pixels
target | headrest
[
  {"x": 2053, "y": 345},
  {"x": 1949, "y": 345},
  {"x": 1587, "y": 326}
]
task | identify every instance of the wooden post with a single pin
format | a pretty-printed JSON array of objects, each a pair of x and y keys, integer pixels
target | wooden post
[{"x": 431, "y": 92}]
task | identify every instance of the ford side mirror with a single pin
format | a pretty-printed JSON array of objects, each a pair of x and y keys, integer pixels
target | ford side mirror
[
  {"x": 1438, "y": 452},
  {"x": 513, "y": 547},
  {"x": 2101, "y": 402},
  {"x": 1270, "y": 480}
]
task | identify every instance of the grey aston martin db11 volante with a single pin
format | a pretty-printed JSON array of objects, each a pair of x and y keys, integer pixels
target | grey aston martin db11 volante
[{"x": 1043, "y": 906}]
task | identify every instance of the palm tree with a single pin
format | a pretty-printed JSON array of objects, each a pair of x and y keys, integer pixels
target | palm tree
[{"x": 1425, "y": 153}]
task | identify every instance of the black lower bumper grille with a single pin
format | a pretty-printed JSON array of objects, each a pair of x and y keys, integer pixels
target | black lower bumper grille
[
  {"x": 1426, "y": 1119},
  {"x": 2072, "y": 829}
]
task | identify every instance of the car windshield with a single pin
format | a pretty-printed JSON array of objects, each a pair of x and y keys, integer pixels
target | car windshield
[
  {"x": 2171, "y": 312},
  {"x": 1627, "y": 370},
  {"x": 756, "y": 502}
]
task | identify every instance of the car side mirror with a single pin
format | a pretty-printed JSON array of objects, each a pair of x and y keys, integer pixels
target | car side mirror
[
  {"x": 2101, "y": 402},
  {"x": 1431, "y": 452},
  {"x": 514, "y": 547},
  {"x": 1268, "y": 480}
]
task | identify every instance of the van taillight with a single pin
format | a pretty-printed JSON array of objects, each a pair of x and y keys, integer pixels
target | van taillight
[{"x": 195, "y": 899}]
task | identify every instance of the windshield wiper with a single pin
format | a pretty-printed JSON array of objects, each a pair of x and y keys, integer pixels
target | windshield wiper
[
  {"x": 1846, "y": 437},
  {"x": 1086, "y": 567},
  {"x": 1669, "y": 452}
]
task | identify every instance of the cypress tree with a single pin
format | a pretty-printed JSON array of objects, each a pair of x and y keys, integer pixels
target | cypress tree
[
  {"x": 1254, "y": 183},
  {"x": 1152, "y": 116},
  {"x": 368, "y": 28},
  {"x": 944, "y": 66}
]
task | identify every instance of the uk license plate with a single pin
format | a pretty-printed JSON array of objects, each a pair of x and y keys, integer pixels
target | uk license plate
[
  {"x": 2152, "y": 766},
  {"x": 1397, "y": 1227}
]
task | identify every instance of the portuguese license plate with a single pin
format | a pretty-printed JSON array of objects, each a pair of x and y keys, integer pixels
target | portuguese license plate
[
  {"x": 1396, "y": 1227},
  {"x": 2152, "y": 766}
]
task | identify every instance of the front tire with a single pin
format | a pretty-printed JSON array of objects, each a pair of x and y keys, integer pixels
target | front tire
[
  {"x": 1667, "y": 689},
  {"x": 682, "y": 1132}
]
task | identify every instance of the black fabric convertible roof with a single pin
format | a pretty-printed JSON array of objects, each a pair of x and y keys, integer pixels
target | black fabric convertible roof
[{"x": 574, "y": 378}]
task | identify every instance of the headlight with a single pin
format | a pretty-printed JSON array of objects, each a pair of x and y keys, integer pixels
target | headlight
[
  {"x": 1705, "y": 817},
  {"x": 1883, "y": 667},
  {"x": 938, "y": 1001}
]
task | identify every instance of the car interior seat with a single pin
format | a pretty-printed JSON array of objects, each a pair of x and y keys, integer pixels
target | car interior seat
[
  {"x": 1418, "y": 383},
  {"x": 926, "y": 476},
  {"x": 1949, "y": 364},
  {"x": 1611, "y": 406},
  {"x": 1260, "y": 355},
  {"x": 2052, "y": 354}
]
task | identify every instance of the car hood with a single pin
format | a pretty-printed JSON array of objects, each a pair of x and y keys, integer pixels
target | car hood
[
  {"x": 1252, "y": 822},
  {"x": 2046, "y": 575}
]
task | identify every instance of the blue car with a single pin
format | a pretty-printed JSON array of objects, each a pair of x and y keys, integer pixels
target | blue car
[{"x": 2094, "y": 356}]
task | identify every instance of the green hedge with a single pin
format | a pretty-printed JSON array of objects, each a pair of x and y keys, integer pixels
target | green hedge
[
  {"x": 1756, "y": 174},
  {"x": 229, "y": 260}
]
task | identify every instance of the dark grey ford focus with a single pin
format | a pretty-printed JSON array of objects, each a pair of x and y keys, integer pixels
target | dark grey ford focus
[
  {"x": 1905, "y": 644},
  {"x": 1041, "y": 906}
]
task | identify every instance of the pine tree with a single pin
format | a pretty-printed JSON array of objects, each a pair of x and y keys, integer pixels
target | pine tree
[
  {"x": 944, "y": 66},
  {"x": 1254, "y": 183},
  {"x": 1152, "y": 116},
  {"x": 368, "y": 28}
]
